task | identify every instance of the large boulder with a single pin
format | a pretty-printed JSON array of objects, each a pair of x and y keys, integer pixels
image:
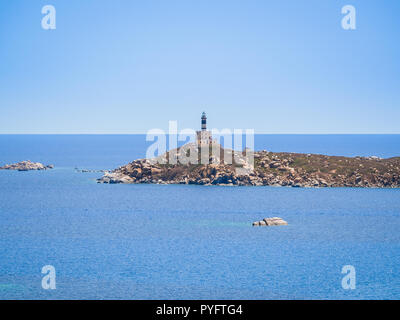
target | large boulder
[
  {"x": 275, "y": 221},
  {"x": 115, "y": 177}
]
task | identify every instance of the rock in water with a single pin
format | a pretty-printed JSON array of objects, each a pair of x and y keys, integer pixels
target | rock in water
[
  {"x": 275, "y": 221},
  {"x": 26, "y": 165}
]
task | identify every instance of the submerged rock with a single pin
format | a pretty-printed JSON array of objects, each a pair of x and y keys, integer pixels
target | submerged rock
[
  {"x": 26, "y": 166},
  {"x": 275, "y": 221},
  {"x": 89, "y": 170}
]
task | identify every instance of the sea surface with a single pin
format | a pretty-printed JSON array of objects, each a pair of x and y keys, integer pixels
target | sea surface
[{"x": 190, "y": 242}]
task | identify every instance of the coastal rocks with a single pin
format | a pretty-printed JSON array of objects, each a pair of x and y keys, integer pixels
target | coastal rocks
[
  {"x": 275, "y": 221},
  {"x": 26, "y": 166},
  {"x": 269, "y": 169},
  {"x": 115, "y": 177},
  {"x": 274, "y": 164}
]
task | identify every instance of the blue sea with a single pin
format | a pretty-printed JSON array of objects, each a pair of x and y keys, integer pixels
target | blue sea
[{"x": 190, "y": 242}]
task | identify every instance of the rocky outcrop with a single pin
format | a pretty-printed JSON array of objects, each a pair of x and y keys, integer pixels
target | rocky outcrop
[
  {"x": 275, "y": 221},
  {"x": 89, "y": 170},
  {"x": 270, "y": 169},
  {"x": 116, "y": 177},
  {"x": 26, "y": 166}
]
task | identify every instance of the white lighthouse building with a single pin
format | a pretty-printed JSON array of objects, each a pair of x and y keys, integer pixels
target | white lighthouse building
[{"x": 204, "y": 136}]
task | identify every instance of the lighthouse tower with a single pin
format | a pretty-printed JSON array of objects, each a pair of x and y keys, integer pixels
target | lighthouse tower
[
  {"x": 204, "y": 137},
  {"x": 203, "y": 122}
]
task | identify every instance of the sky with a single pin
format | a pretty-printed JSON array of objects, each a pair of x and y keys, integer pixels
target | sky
[{"x": 126, "y": 66}]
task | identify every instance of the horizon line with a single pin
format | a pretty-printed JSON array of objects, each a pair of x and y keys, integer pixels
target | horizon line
[{"x": 141, "y": 133}]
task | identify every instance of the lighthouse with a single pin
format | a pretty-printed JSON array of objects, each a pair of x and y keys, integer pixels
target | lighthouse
[{"x": 204, "y": 137}]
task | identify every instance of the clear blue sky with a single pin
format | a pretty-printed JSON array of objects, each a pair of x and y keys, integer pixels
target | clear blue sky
[{"x": 128, "y": 66}]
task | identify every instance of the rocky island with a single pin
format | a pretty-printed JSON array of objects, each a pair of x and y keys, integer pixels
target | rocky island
[
  {"x": 270, "y": 169},
  {"x": 211, "y": 164},
  {"x": 26, "y": 166}
]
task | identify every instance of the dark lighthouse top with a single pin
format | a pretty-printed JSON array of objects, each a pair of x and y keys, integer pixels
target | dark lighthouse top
[{"x": 203, "y": 121}]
